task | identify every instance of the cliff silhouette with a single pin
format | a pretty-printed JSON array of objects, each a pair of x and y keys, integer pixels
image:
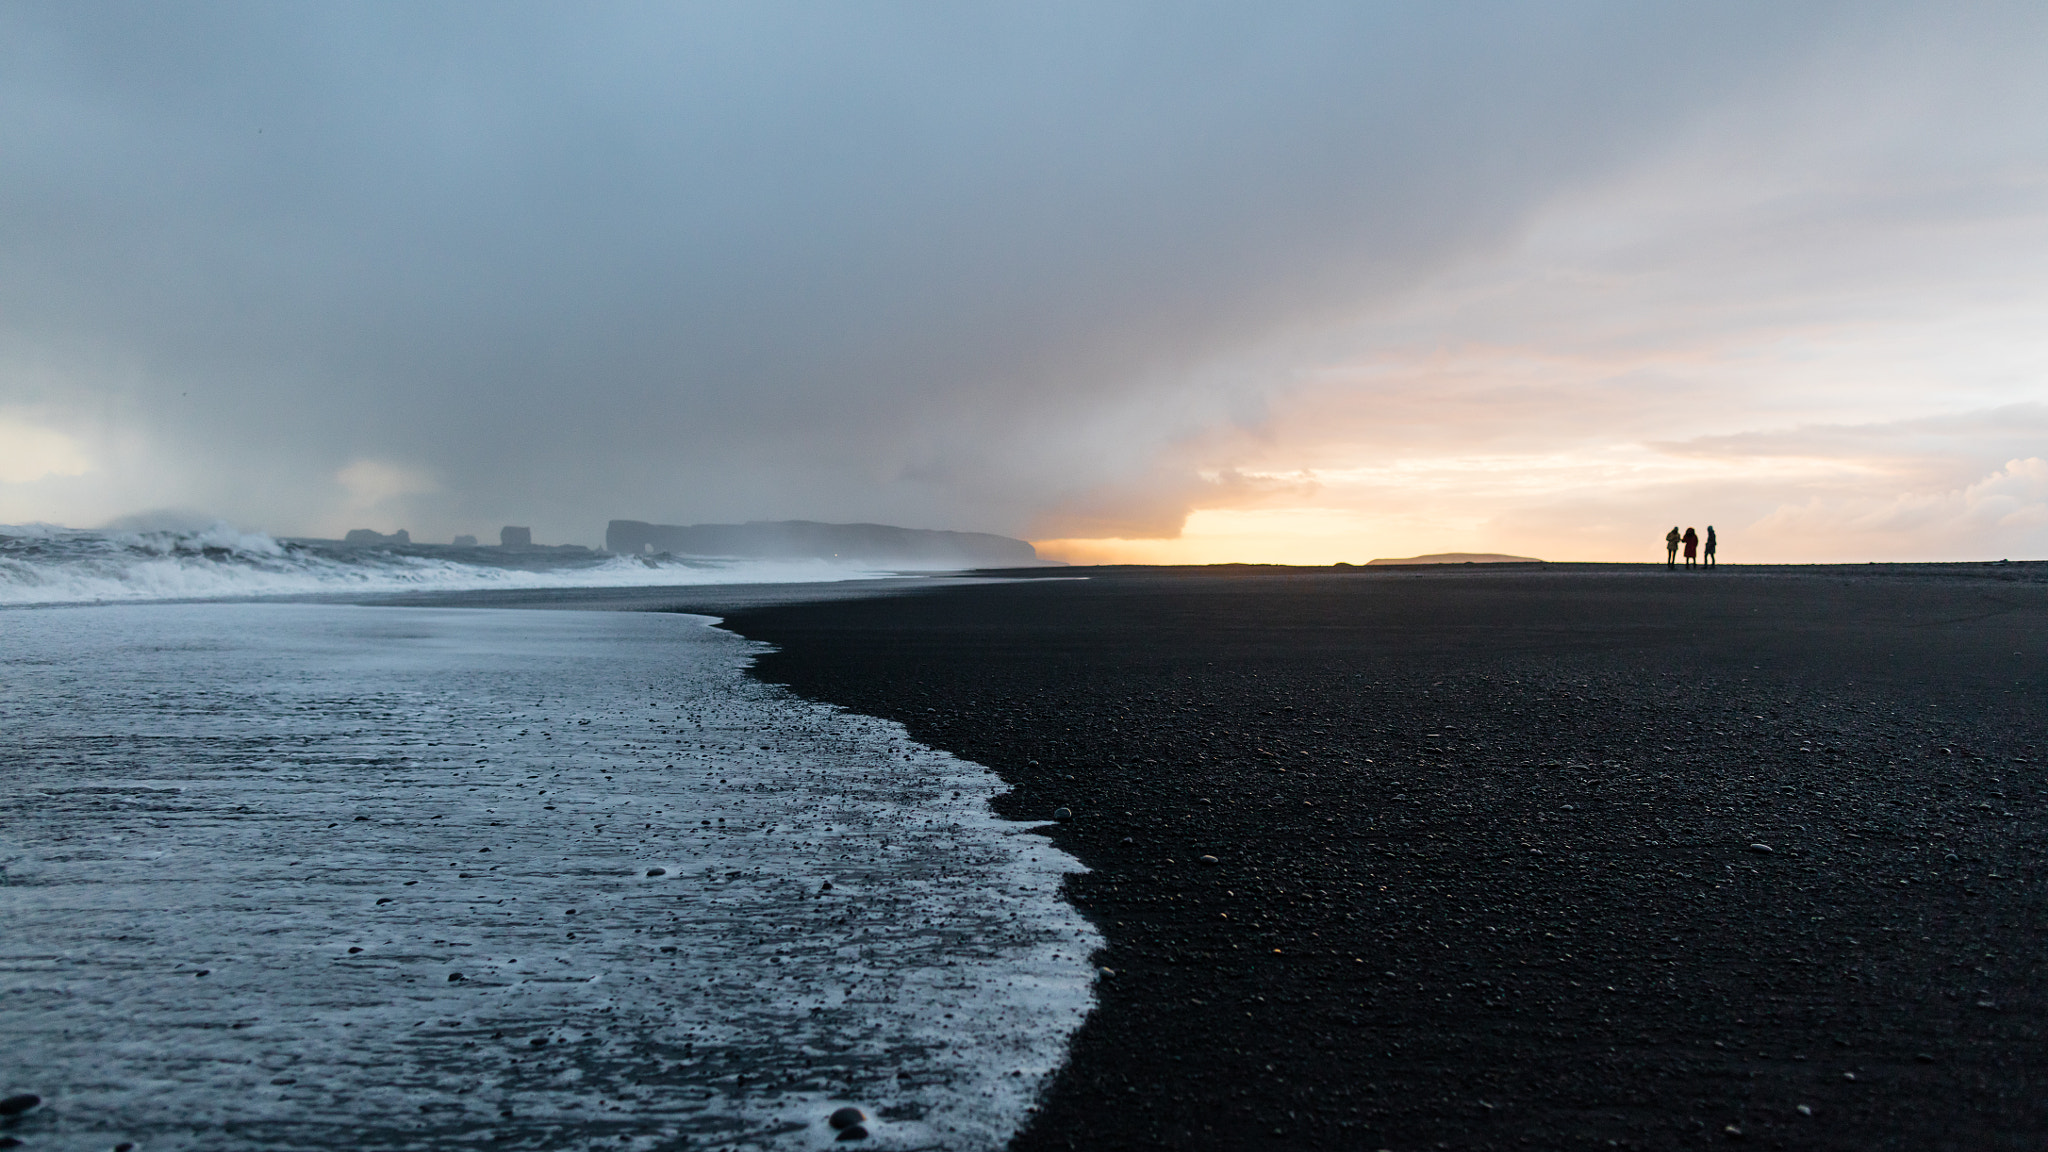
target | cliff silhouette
[{"x": 881, "y": 545}]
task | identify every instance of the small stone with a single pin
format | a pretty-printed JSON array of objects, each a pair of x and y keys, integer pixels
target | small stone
[
  {"x": 353, "y": 950},
  {"x": 1764, "y": 849},
  {"x": 1733, "y": 1132},
  {"x": 126, "y": 1146},
  {"x": 1848, "y": 1075},
  {"x": 455, "y": 977},
  {"x": 1108, "y": 971},
  {"x": 857, "y": 1132},
  {"x": 1063, "y": 813},
  {"x": 1923, "y": 1057},
  {"x": 1211, "y": 860},
  {"x": 1803, "y": 1110},
  {"x": 18, "y": 1103},
  {"x": 657, "y": 871},
  {"x": 825, "y": 887},
  {"x": 846, "y": 1117}
]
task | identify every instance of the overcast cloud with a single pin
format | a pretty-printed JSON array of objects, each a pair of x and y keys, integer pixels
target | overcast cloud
[{"x": 1066, "y": 271}]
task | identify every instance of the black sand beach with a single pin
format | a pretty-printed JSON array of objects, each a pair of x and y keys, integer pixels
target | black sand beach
[{"x": 1548, "y": 857}]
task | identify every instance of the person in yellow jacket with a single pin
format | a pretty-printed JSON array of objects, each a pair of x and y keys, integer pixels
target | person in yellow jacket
[{"x": 1671, "y": 547}]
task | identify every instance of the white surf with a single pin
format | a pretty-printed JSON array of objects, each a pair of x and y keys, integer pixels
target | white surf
[{"x": 308, "y": 875}]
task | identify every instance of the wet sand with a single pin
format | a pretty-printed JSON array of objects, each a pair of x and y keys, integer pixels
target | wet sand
[{"x": 1557, "y": 857}]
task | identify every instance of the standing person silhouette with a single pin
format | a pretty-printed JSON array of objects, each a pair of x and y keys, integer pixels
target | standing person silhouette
[
  {"x": 1671, "y": 547},
  {"x": 1709, "y": 560},
  {"x": 1692, "y": 546}
]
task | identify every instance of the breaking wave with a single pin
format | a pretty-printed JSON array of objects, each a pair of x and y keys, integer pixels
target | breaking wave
[{"x": 46, "y": 564}]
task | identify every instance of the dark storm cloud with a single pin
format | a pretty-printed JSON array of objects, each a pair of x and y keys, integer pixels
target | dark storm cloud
[{"x": 957, "y": 266}]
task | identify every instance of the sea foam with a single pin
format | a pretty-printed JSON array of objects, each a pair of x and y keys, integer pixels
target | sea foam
[
  {"x": 323, "y": 876},
  {"x": 43, "y": 564}
]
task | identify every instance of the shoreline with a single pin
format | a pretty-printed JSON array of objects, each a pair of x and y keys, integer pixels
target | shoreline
[
  {"x": 1486, "y": 874},
  {"x": 309, "y": 876}
]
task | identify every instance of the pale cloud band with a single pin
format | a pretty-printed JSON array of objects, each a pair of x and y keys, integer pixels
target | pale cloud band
[{"x": 29, "y": 452}]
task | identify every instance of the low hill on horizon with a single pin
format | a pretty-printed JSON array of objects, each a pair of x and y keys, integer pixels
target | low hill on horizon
[{"x": 1460, "y": 558}]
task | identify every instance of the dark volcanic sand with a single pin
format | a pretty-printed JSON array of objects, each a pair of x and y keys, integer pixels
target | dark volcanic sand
[{"x": 1486, "y": 876}]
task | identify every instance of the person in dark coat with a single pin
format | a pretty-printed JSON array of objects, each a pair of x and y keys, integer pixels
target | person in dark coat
[
  {"x": 1692, "y": 546},
  {"x": 1671, "y": 547},
  {"x": 1709, "y": 551}
]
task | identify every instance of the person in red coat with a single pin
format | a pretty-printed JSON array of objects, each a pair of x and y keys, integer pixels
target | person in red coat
[{"x": 1692, "y": 546}]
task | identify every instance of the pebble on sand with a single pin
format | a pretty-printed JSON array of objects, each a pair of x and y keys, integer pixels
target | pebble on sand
[
  {"x": 1765, "y": 849},
  {"x": 846, "y": 1117},
  {"x": 1210, "y": 860},
  {"x": 1063, "y": 813},
  {"x": 18, "y": 1103},
  {"x": 657, "y": 871}
]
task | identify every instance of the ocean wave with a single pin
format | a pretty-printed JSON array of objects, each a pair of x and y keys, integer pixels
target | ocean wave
[
  {"x": 690, "y": 874},
  {"x": 48, "y": 564}
]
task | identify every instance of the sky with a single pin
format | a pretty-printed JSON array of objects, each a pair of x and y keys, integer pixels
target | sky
[{"x": 1176, "y": 283}]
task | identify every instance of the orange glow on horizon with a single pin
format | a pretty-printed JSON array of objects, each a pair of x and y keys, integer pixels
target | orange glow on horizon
[{"x": 1305, "y": 536}]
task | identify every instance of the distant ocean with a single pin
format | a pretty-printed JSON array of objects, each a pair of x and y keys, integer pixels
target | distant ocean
[
  {"x": 42, "y": 564},
  {"x": 311, "y": 875}
]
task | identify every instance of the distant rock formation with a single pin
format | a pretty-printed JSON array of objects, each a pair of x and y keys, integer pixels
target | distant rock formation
[
  {"x": 510, "y": 537},
  {"x": 365, "y": 538},
  {"x": 1460, "y": 558},
  {"x": 875, "y": 544}
]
